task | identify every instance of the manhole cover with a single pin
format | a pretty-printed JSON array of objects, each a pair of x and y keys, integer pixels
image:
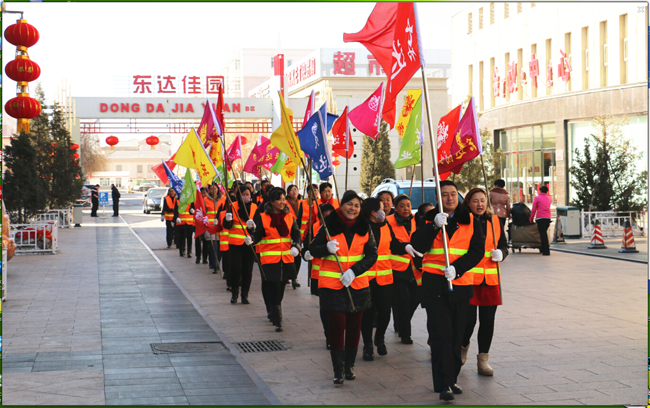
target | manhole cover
[
  {"x": 169, "y": 348},
  {"x": 261, "y": 346}
]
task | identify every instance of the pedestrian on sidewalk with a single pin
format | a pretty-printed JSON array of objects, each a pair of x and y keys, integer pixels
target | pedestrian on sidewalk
[
  {"x": 201, "y": 245},
  {"x": 380, "y": 276},
  {"x": 300, "y": 211},
  {"x": 500, "y": 201},
  {"x": 447, "y": 310},
  {"x": 344, "y": 293},
  {"x": 486, "y": 281},
  {"x": 169, "y": 207},
  {"x": 211, "y": 205},
  {"x": 235, "y": 219},
  {"x": 223, "y": 255},
  {"x": 541, "y": 213},
  {"x": 94, "y": 198},
  {"x": 116, "y": 200},
  {"x": 184, "y": 228},
  {"x": 278, "y": 239}
]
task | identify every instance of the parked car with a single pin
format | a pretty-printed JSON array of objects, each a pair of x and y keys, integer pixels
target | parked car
[
  {"x": 152, "y": 200},
  {"x": 143, "y": 186},
  {"x": 402, "y": 187}
]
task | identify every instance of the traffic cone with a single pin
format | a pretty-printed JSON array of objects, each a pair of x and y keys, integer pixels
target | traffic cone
[
  {"x": 628, "y": 245},
  {"x": 597, "y": 238},
  {"x": 558, "y": 235}
]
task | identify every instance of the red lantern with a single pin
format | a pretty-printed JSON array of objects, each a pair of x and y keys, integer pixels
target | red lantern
[
  {"x": 54, "y": 145},
  {"x": 74, "y": 146},
  {"x": 23, "y": 69},
  {"x": 336, "y": 162},
  {"x": 75, "y": 156},
  {"x": 152, "y": 141},
  {"x": 243, "y": 140},
  {"x": 23, "y": 108},
  {"x": 112, "y": 141},
  {"x": 22, "y": 34}
]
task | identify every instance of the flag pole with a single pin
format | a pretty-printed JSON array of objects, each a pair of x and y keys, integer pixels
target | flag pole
[
  {"x": 347, "y": 147},
  {"x": 494, "y": 237},
  {"x": 336, "y": 187},
  {"x": 422, "y": 172},
  {"x": 412, "y": 178},
  {"x": 434, "y": 158}
]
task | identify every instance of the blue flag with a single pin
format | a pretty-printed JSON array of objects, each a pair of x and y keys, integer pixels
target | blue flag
[
  {"x": 177, "y": 184},
  {"x": 331, "y": 118},
  {"x": 313, "y": 141}
]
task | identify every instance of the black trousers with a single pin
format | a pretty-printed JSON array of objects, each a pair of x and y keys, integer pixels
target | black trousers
[
  {"x": 297, "y": 261},
  {"x": 116, "y": 207},
  {"x": 486, "y": 327},
  {"x": 406, "y": 301},
  {"x": 213, "y": 252},
  {"x": 201, "y": 247},
  {"x": 225, "y": 265},
  {"x": 93, "y": 209},
  {"x": 446, "y": 326},
  {"x": 170, "y": 233},
  {"x": 381, "y": 304},
  {"x": 542, "y": 227},
  {"x": 273, "y": 292},
  {"x": 184, "y": 238},
  {"x": 241, "y": 269}
]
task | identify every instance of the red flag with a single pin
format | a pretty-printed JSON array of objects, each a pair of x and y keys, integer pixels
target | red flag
[
  {"x": 159, "y": 170},
  {"x": 207, "y": 130},
  {"x": 446, "y": 131},
  {"x": 234, "y": 151},
  {"x": 265, "y": 154},
  {"x": 310, "y": 109},
  {"x": 366, "y": 117},
  {"x": 392, "y": 35},
  {"x": 466, "y": 143},
  {"x": 201, "y": 222},
  {"x": 343, "y": 145},
  {"x": 219, "y": 112}
]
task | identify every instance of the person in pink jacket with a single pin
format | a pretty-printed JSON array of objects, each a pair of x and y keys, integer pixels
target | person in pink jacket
[{"x": 541, "y": 214}]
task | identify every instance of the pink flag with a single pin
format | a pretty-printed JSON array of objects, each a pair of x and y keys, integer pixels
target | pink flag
[
  {"x": 201, "y": 222},
  {"x": 310, "y": 109},
  {"x": 466, "y": 143},
  {"x": 234, "y": 151},
  {"x": 207, "y": 129},
  {"x": 261, "y": 155},
  {"x": 367, "y": 116},
  {"x": 445, "y": 135}
]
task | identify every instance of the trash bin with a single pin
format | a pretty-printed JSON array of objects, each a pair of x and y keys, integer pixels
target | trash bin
[
  {"x": 77, "y": 214},
  {"x": 570, "y": 218}
]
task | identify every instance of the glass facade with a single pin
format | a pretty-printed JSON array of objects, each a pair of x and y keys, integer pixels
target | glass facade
[{"x": 529, "y": 161}]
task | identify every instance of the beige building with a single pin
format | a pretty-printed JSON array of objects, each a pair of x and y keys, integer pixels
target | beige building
[{"x": 587, "y": 59}]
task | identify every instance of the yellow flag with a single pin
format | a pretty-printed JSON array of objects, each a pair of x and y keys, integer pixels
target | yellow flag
[
  {"x": 192, "y": 155},
  {"x": 289, "y": 171},
  {"x": 411, "y": 97},
  {"x": 215, "y": 154},
  {"x": 285, "y": 138}
]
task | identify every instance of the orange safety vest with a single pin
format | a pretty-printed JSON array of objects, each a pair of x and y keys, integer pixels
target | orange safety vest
[
  {"x": 315, "y": 268},
  {"x": 274, "y": 248},
  {"x": 210, "y": 210},
  {"x": 382, "y": 269},
  {"x": 305, "y": 215},
  {"x": 401, "y": 263},
  {"x": 329, "y": 275},
  {"x": 171, "y": 203},
  {"x": 434, "y": 259},
  {"x": 223, "y": 233},
  {"x": 487, "y": 268},
  {"x": 185, "y": 216},
  {"x": 237, "y": 233},
  {"x": 319, "y": 202}
]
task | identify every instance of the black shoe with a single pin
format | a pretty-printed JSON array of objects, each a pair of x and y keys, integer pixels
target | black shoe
[
  {"x": 368, "y": 353},
  {"x": 456, "y": 389},
  {"x": 279, "y": 328},
  {"x": 198, "y": 260},
  {"x": 447, "y": 394},
  {"x": 381, "y": 347},
  {"x": 205, "y": 261},
  {"x": 350, "y": 356},
  {"x": 233, "y": 300},
  {"x": 182, "y": 255},
  {"x": 214, "y": 271},
  {"x": 337, "y": 364},
  {"x": 189, "y": 255},
  {"x": 169, "y": 246},
  {"x": 245, "y": 301},
  {"x": 229, "y": 289},
  {"x": 407, "y": 340},
  {"x": 295, "y": 284}
]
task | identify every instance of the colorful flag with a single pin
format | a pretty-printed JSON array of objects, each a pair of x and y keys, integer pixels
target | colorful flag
[
  {"x": 284, "y": 137},
  {"x": 411, "y": 149},
  {"x": 188, "y": 193},
  {"x": 446, "y": 127},
  {"x": 159, "y": 170},
  {"x": 234, "y": 151},
  {"x": 201, "y": 222},
  {"x": 313, "y": 139},
  {"x": 411, "y": 96},
  {"x": 209, "y": 128},
  {"x": 192, "y": 155},
  {"x": 177, "y": 184},
  {"x": 216, "y": 153},
  {"x": 392, "y": 35},
  {"x": 343, "y": 145},
  {"x": 285, "y": 167},
  {"x": 219, "y": 119},
  {"x": 256, "y": 155},
  {"x": 310, "y": 108},
  {"x": 466, "y": 144},
  {"x": 367, "y": 116}
]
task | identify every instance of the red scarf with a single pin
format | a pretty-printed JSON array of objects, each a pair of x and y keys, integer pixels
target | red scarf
[
  {"x": 277, "y": 221},
  {"x": 345, "y": 221}
]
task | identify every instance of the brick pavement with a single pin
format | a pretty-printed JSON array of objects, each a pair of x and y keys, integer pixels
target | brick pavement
[{"x": 572, "y": 331}]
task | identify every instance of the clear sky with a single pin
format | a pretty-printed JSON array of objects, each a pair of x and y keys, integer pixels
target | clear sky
[{"x": 90, "y": 43}]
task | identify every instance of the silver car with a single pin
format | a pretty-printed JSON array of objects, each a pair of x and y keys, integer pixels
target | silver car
[
  {"x": 152, "y": 200},
  {"x": 403, "y": 187}
]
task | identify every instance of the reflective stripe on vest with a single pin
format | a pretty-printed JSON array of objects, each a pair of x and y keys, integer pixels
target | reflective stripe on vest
[
  {"x": 486, "y": 270},
  {"x": 434, "y": 259},
  {"x": 401, "y": 262},
  {"x": 171, "y": 203},
  {"x": 382, "y": 270},
  {"x": 329, "y": 275},
  {"x": 274, "y": 248},
  {"x": 186, "y": 217},
  {"x": 315, "y": 268},
  {"x": 236, "y": 233}
]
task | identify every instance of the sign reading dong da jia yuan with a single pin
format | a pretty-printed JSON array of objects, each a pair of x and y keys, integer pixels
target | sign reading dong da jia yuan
[{"x": 177, "y": 84}]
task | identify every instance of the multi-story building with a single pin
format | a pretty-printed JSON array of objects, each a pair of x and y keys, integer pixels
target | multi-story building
[{"x": 540, "y": 73}]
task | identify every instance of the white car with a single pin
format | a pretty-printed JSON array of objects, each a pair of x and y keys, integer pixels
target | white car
[{"x": 403, "y": 187}]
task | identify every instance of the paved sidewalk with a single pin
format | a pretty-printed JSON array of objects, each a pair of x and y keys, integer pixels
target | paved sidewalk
[
  {"x": 613, "y": 245},
  {"x": 572, "y": 331}
]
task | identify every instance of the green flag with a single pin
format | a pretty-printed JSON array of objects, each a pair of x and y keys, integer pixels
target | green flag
[
  {"x": 188, "y": 194},
  {"x": 279, "y": 164},
  {"x": 411, "y": 148}
]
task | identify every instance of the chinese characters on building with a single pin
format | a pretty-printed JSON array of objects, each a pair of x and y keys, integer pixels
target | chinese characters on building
[
  {"x": 168, "y": 84},
  {"x": 503, "y": 88}
]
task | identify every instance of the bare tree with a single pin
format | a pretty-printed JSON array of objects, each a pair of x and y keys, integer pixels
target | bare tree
[{"x": 92, "y": 156}]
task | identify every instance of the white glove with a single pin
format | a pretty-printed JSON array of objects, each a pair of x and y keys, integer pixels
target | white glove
[
  {"x": 308, "y": 256},
  {"x": 497, "y": 255},
  {"x": 178, "y": 220},
  {"x": 248, "y": 240},
  {"x": 450, "y": 273},
  {"x": 228, "y": 216},
  {"x": 409, "y": 250},
  {"x": 347, "y": 277},
  {"x": 294, "y": 252},
  {"x": 333, "y": 246},
  {"x": 216, "y": 221},
  {"x": 250, "y": 224},
  {"x": 440, "y": 219},
  {"x": 162, "y": 217},
  {"x": 191, "y": 210}
]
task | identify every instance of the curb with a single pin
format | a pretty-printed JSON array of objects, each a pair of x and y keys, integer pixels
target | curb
[{"x": 599, "y": 256}]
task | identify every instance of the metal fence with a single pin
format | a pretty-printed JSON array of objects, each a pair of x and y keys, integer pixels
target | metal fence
[
  {"x": 612, "y": 224},
  {"x": 35, "y": 238},
  {"x": 62, "y": 216}
]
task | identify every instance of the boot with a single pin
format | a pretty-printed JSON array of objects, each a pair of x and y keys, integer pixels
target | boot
[
  {"x": 483, "y": 366},
  {"x": 235, "y": 295},
  {"x": 278, "y": 317},
  {"x": 350, "y": 356},
  {"x": 368, "y": 353},
  {"x": 269, "y": 312},
  {"x": 381, "y": 346},
  {"x": 463, "y": 354},
  {"x": 337, "y": 364},
  {"x": 294, "y": 283},
  {"x": 244, "y": 299}
]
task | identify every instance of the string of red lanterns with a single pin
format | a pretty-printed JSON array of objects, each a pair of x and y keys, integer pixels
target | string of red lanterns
[{"x": 23, "y": 71}]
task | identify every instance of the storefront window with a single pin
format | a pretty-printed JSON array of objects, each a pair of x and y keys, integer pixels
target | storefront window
[
  {"x": 525, "y": 136},
  {"x": 548, "y": 135},
  {"x": 537, "y": 136}
]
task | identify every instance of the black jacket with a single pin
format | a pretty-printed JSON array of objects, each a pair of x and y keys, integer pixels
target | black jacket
[
  {"x": 115, "y": 193},
  {"x": 339, "y": 300},
  {"x": 434, "y": 285}
]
